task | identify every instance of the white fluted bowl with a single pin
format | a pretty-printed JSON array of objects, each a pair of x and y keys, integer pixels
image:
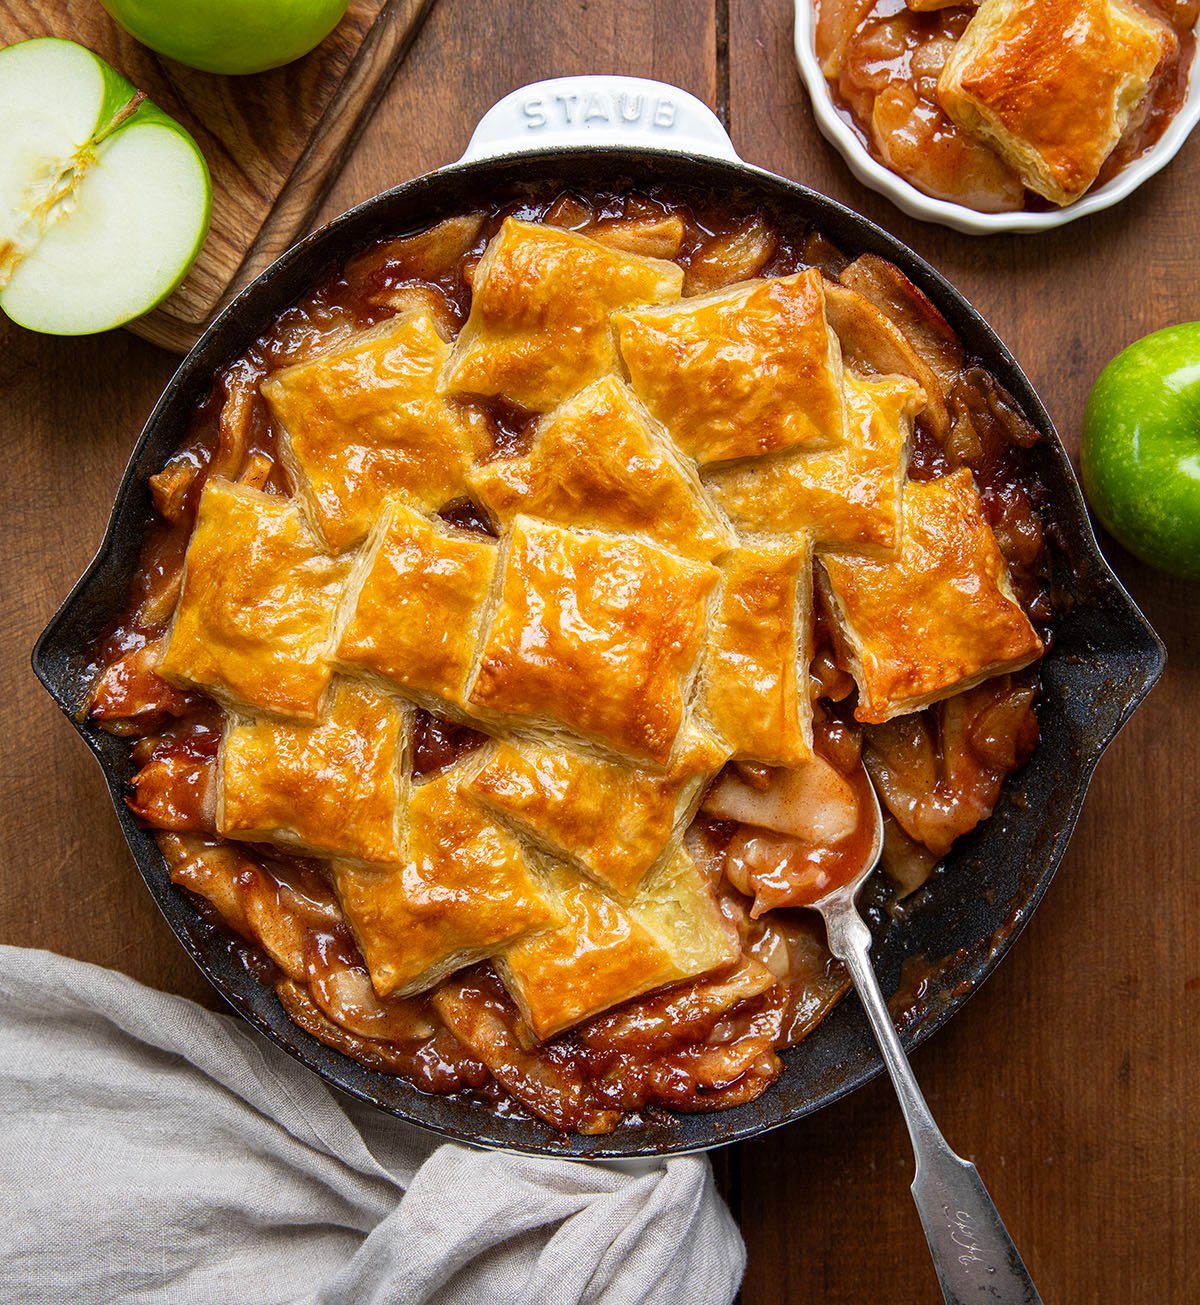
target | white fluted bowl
[{"x": 917, "y": 204}]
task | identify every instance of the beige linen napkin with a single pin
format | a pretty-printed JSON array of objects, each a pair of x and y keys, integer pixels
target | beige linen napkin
[{"x": 154, "y": 1151}]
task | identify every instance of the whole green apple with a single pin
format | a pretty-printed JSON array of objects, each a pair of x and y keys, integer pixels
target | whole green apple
[
  {"x": 1141, "y": 449},
  {"x": 229, "y": 36}
]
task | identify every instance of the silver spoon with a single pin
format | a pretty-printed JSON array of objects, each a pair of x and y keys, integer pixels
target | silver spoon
[{"x": 973, "y": 1254}]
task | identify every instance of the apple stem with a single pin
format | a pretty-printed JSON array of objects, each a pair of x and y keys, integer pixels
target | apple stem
[{"x": 119, "y": 119}]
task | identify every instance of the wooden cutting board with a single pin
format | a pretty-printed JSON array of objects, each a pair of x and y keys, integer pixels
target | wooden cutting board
[{"x": 274, "y": 141}]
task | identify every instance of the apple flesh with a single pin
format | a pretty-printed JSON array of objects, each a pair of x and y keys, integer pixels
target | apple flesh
[
  {"x": 1141, "y": 449},
  {"x": 104, "y": 199},
  {"x": 229, "y": 36}
]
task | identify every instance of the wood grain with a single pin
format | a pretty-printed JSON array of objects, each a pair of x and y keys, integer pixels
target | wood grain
[
  {"x": 273, "y": 142},
  {"x": 1071, "y": 1077}
]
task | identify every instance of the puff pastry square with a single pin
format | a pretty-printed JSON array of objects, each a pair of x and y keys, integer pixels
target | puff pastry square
[
  {"x": 255, "y": 615},
  {"x": 1052, "y": 84},
  {"x": 751, "y": 370},
  {"x": 610, "y": 820},
  {"x": 332, "y": 788},
  {"x": 539, "y": 326},
  {"x": 365, "y": 422},
  {"x": 606, "y": 953},
  {"x": 597, "y": 462},
  {"x": 415, "y": 605},
  {"x": 938, "y": 618},
  {"x": 462, "y": 891},
  {"x": 849, "y": 498},
  {"x": 597, "y": 634},
  {"x": 756, "y": 661}
]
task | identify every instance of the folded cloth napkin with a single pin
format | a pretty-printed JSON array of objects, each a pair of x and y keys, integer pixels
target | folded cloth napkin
[{"x": 155, "y": 1151}]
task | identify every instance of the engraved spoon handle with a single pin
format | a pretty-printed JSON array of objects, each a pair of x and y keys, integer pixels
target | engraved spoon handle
[{"x": 973, "y": 1254}]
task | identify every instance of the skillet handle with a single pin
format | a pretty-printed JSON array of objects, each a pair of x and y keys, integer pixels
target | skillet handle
[{"x": 581, "y": 112}]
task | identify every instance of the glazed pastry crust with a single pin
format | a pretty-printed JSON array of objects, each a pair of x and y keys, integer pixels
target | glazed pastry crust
[
  {"x": 463, "y": 891},
  {"x": 641, "y": 617},
  {"x": 1052, "y": 84},
  {"x": 607, "y": 953},
  {"x": 847, "y": 499},
  {"x": 751, "y": 370},
  {"x": 610, "y": 820},
  {"x": 255, "y": 614},
  {"x": 365, "y": 422},
  {"x": 539, "y": 327},
  {"x": 756, "y": 690},
  {"x": 415, "y": 604},
  {"x": 937, "y": 619},
  {"x": 598, "y": 634},
  {"x": 332, "y": 788},
  {"x": 598, "y": 462}
]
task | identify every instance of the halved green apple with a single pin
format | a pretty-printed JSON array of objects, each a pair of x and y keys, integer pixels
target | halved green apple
[{"x": 104, "y": 199}]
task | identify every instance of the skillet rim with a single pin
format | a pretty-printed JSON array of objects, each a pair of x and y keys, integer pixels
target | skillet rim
[{"x": 1112, "y": 631}]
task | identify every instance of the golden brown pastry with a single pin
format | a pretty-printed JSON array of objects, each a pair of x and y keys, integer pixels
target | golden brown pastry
[
  {"x": 1052, "y": 84},
  {"x": 365, "y": 422},
  {"x": 414, "y": 605},
  {"x": 938, "y": 618},
  {"x": 756, "y": 691},
  {"x": 330, "y": 788},
  {"x": 606, "y": 953},
  {"x": 462, "y": 890},
  {"x": 514, "y": 706},
  {"x": 541, "y": 300},
  {"x": 598, "y": 462},
  {"x": 849, "y": 498},
  {"x": 611, "y": 820},
  {"x": 594, "y": 633},
  {"x": 751, "y": 370},
  {"x": 255, "y": 613}
]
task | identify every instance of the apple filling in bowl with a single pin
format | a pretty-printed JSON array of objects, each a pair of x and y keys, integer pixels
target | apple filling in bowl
[
  {"x": 514, "y": 620},
  {"x": 1008, "y": 104}
]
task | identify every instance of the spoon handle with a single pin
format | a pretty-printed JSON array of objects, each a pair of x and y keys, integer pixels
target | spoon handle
[{"x": 973, "y": 1254}]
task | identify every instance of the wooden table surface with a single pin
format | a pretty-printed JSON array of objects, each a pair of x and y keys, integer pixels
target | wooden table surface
[{"x": 1072, "y": 1077}]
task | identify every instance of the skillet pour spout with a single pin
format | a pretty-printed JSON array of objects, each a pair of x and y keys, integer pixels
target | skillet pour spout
[{"x": 1103, "y": 661}]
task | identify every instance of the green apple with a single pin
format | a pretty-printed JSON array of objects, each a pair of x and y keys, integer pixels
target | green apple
[
  {"x": 1141, "y": 449},
  {"x": 104, "y": 199},
  {"x": 229, "y": 36}
]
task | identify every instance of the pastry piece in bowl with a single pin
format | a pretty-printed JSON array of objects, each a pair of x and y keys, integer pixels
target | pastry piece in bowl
[{"x": 1052, "y": 85}]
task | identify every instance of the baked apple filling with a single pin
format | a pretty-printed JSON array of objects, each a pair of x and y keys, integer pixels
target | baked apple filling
[{"x": 516, "y": 620}]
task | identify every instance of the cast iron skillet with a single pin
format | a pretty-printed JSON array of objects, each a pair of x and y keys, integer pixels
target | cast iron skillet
[{"x": 1104, "y": 659}]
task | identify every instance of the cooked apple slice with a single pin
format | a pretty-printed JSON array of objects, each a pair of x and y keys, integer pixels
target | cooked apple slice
[{"x": 104, "y": 199}]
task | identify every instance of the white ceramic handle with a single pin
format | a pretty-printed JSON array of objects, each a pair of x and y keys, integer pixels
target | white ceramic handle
[{"x": 569, "y": 112}]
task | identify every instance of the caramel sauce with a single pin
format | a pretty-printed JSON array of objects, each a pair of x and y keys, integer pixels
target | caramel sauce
[
  {"x": 464, "y": 514},
  {"x": 691, "y": 1046},
  {"x": 438, "y": 743},
  {"x": 511, "y": 427}
]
